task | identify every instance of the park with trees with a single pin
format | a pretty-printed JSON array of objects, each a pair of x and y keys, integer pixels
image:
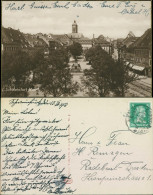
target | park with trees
[
  {"x": 52, "y": 73},
  {"x": 106, "y": 77}
]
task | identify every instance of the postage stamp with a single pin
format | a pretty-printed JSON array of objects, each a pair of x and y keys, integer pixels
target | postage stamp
[{"x": 140, "y": 114}]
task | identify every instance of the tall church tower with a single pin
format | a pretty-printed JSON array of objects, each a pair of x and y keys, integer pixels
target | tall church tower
[{"x": 74, "y": 27}]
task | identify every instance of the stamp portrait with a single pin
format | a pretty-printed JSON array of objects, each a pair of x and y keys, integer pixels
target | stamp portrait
[{"x": 140, "y": 115}]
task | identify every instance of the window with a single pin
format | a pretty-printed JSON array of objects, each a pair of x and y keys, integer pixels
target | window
[{"x": 150, "y": 62}]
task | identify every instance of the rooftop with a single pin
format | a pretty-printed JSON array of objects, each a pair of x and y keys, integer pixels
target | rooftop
[{"x": 145, "y": 41}]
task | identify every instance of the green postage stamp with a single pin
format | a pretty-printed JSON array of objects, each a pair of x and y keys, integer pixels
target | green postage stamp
[{"x": 140, "y": 114}]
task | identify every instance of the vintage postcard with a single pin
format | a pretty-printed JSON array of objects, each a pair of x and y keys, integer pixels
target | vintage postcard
[
  {"x": 76, "y": 49},
  {"x": 76, "y": 106},
  {"x": 76, "y": 146}
]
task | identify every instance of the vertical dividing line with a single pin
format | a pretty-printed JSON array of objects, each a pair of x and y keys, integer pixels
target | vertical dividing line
[{"x": 69, "y": 149}]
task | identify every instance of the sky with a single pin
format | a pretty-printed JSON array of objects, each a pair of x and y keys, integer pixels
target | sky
[{"x": 112, "y": 18}]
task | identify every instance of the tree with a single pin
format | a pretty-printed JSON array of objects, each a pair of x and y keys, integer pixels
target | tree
[
  {"x": 75, "y": 49},
  {"x": 121, "y": 77},
  {"x": 58, "y": 83},
  {"x": 56, "y": 78},
  {"x": 89, "y": 54},
  {"x": 97, "y": 79},
  {"x": 92, "y": 53},
  {"x": 106, "y": 75},
  {"x": 37, "y": 63},
  {"x": 17, "y": 66}
]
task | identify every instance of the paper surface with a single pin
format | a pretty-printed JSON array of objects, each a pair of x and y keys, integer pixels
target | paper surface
[
  {"x": 80, "y": 146},
  {"x": 76, "y": 146}
]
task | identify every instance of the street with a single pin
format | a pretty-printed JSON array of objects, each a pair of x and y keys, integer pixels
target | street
[
  {"x": 77, "y": 75},
  {"x": 140, "y": 88}
]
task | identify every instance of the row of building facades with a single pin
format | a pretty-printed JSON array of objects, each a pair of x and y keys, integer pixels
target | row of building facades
[{"x": 135, "y": 51}]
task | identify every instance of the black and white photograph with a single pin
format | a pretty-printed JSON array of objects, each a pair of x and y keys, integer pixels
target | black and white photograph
[
  {"x": 76, "y": 49},
  {"x": 76, "y": 106}
]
